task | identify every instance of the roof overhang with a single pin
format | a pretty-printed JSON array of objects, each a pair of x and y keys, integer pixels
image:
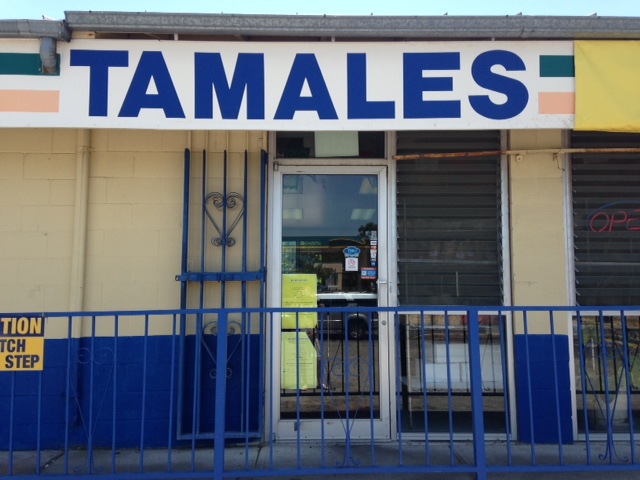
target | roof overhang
[
  {"x": 35, "y": 29},
  {"x": 445, "y": 27},
  {"x": 384, "y": 27}
]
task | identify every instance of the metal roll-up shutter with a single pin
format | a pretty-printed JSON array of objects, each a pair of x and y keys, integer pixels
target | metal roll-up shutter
[
  {"x": 449, "y": 220},
  {"x": 606, "y": 219}
]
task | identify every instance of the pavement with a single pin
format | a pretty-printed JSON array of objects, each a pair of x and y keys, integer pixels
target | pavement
[{"x": 384, "y": 461}]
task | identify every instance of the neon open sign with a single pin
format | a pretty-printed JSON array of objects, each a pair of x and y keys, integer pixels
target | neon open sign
[{"x": 617, "y": 216}]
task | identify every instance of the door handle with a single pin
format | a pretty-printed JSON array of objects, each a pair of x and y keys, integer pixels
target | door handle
[{"x": 384, "y": 282}]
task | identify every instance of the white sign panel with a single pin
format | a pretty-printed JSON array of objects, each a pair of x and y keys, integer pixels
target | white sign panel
[
  {"x": 289, "y": 86},
  {"x": 351, "y": 264}
]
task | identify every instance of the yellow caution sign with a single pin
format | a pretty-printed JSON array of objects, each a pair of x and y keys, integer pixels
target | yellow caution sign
[{"x": 21, "y": 344}]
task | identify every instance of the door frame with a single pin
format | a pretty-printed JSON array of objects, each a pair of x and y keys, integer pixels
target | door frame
[{"x": 331, "y": 428}]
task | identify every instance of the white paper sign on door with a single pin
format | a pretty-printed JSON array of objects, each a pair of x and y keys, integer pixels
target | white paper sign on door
[{"x": 351, "y": 264}]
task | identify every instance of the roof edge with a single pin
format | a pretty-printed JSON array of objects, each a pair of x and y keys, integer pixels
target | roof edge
[
  {"x": 35, "y": 29},
  {"x": 521, "y": 27},
  {"x": 445, "y": 26}
]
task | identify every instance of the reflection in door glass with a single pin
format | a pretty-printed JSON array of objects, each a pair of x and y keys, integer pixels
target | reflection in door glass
[
  {"x": 435, "y": 373},
  {"x": 330, "y": 241},
  {"x": 322, "y": 216}
]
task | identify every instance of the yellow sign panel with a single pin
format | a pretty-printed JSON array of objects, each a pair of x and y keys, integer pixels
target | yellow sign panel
[
  {"x": 299, "y": 290},
  {"x": 21, "y": 344},
  {"x": 607, "y": 88},
  {"x": 299, "y": 362}
]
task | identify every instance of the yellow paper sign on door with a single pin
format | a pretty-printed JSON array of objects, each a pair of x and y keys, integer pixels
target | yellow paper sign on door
[
  {"x": 299, "y": 362},
  {"x": 299, "y": 290}
]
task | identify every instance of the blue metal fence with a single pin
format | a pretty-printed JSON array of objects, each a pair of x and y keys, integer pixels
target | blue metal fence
[{"x": 464, "y": 390}]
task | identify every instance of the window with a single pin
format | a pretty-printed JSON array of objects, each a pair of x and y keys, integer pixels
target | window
[
  {"x": 449, "y": 220},
  {"x": 305, "y": 144},
  {"x": 606, "y": 219}
]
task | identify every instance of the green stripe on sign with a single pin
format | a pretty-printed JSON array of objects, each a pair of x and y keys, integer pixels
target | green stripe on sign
[
  {"x": 22, "y": 64},
  {"x": 557, "y": 66}
]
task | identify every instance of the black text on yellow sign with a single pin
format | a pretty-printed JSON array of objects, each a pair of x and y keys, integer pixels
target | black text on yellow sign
[{"x": 21, "y": 343}]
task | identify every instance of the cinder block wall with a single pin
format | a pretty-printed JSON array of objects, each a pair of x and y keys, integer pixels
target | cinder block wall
[
  {"x": 134, "y": 219},
  {"x": 133, "y": 225},
  {"x": 37, "y": 185},
  {"x": 537, "y": 210}
]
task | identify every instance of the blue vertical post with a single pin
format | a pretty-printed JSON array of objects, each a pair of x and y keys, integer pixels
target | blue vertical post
[
  {"x": 264, "y": 162},
  {"x": 447, "y": 339},
  {"x": 143, "y": 412},
  {"x": 583, "y": 385},
  {"x": 197, "y": 404},
  {"x": 172, "y": 392},
  {"x": 39, "y": 427},
  {"x": 263, "y": 213},
  {"x": 114, "y": 398},
  {"x": 221, "y": 395},
  {"x": 425, "y": 400},
  {"x": 396, "y": 332},
  {"x": 505, "y": 383},
  {"x": 246, "y": 321},
  {"x": 475, "y": 372},
  {"x": 627, "y": 367},
  {"x": 183, "y": 283},
  {"x": 607, "y": 390},
  {"x": 245, "y": 196},
  {"x": 67, "y": 406},
  {"x": 12, "y": 403},
  {"x": 203, "y": 228},
  {"x": 225, "y": 235},
  {"x": 90, "y": 426},
  {"x": 185, "y": 227},
  {"x": 556, "y": 386}
]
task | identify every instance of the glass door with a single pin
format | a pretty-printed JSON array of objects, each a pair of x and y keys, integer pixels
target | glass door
[{"x": 330, "y": 236}]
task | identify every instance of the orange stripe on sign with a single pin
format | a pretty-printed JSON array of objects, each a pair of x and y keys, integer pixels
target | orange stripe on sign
[
  {"x": 43, "y": 101},
  {"x": 556, "y": 103}
]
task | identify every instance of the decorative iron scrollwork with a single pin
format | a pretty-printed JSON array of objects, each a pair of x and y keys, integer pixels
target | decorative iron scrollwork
[
  {"x": 346, "y": 371},
  {"x": 224, "y": 204},
  {"x": 100, "y": 357},
  {"x": 613, "y": 358},
  {"x": 210, "y": 329}
]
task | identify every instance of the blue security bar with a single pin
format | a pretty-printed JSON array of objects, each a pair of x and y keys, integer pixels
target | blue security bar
[{"x": 220, "y": 226}]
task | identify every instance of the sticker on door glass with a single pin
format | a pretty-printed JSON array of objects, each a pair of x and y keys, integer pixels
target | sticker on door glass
[
  {"x": 351, "y": 264},
  {"x": 351, "y": 255}
]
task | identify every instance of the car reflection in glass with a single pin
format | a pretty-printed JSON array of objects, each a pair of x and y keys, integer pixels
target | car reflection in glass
[{"x": 357, "y": 324}]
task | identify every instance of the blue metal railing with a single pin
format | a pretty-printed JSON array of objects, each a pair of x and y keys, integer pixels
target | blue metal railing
[{"x": 475, "y": 390}]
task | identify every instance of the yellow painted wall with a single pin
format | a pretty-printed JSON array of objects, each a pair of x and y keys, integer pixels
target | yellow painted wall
[
  {"x": 537, "y": 221},
  {"x": 37, "y": 184},
  {"x": 134, "y": 219},
  {"x": 133, "y": 223}
]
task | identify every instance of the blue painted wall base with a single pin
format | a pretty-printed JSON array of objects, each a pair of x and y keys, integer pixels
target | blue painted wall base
[
  {"x": 108, "y": 378},
  {"x": 538, "y": 394}
]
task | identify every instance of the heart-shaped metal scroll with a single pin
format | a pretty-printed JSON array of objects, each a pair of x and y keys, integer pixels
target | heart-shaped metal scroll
[{"x": 224, "y": 204}]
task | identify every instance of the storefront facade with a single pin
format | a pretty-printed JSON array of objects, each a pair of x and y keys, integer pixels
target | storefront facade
[{"x": 202, "y": 171}]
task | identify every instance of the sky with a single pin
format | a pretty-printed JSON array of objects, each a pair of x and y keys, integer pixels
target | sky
[{"x": 37, "y": 9}]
